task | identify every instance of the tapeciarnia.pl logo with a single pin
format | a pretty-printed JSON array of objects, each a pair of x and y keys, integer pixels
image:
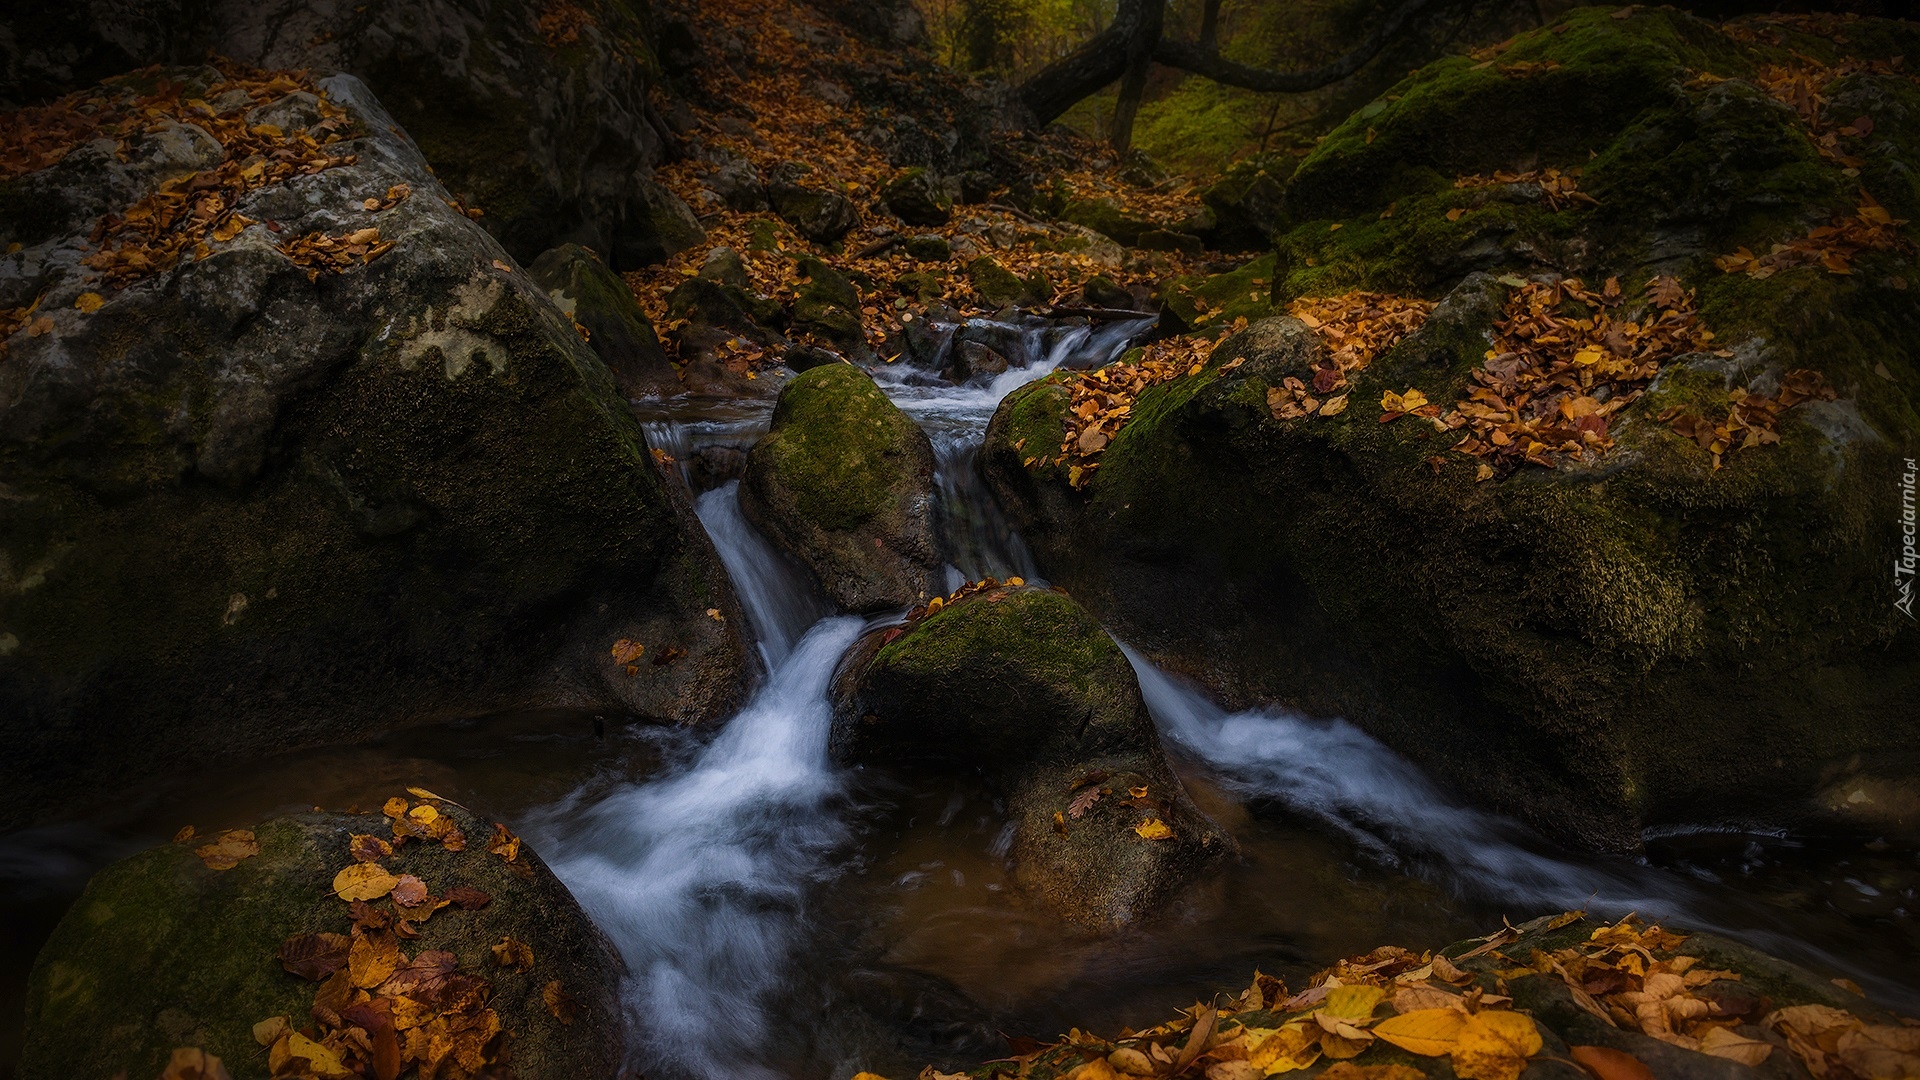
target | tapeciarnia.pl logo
[{"x": 1903, "y": 567}]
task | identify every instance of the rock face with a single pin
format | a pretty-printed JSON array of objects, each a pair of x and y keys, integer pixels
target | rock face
[
  {"x": 540, "y": 121},
  {"x": 255, "y": 503},
  {"x": 595, "y": 298},
  {"x": 844, "y": 480},
  {"x": 1598, "y": 646},
  {"x": 1024, "y": 686},
  {"x": 162, "y": 952}
]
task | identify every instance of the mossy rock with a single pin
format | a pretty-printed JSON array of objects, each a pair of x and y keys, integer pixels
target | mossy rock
[
  {"x": 1247, "y": 203},
  {"x": 595, "y": 298},
  {"x": 162, "y": 952},
  {"x": 828, "y": 304},
  {"x": 1000, "y": 287},
  {"x": 929, "y": 247},
  {"x": 412, "y": 476},
  {"x": 919, "y": 197},
  {"x": 1023, "y": 686},
  {"x": 844, "y": 480},
  {"x": 1108, "y": 218},
  {"x": 1575, "y": 647},
  {"x": 820, "y": 215}
]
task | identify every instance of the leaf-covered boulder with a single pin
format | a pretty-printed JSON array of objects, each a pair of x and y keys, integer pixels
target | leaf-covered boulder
[
  {"x": 602, "y": 305},
  {"x": 536, "y": 114},
  {"x": 1021, "y": 685},
  {"x": 844, "y": 480},
  {"x": 294, "y": 454},
  {"x": 164, "y": 951},
  {"x": 1679, "y": 608}
]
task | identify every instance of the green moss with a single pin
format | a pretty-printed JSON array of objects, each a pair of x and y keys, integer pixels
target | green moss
[
  {"x": 1243, "y": 293},
  {"x": 831, "y": 446},
  {"x": 1107, "y": 217},
  {"x": 1031, "y": 423},
  {"x": 1000, "y": 287}
]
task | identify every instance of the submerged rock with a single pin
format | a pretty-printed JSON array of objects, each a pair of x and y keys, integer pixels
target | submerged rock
[
  {"x": 597, "y": 300},
  {"x": 162, "y": 952},
  {"x": 257, "y": 503},
  {"x": 1024, "y": 686},
  {"x": 844, "y": 480}
]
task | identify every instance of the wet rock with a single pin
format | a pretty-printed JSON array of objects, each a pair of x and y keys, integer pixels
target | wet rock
[
  {"x": 412, "y": 475},
  {"x": 999, "y": 287},
  {"x": 919, "y": 197},
  {"x": 929, "y": 247},
  {"x": 713, "y": 320},
  {"x": 818, "y": 214},
  {"x": 807, "y": 357},
  {"x": 844, "y": 480},
  {"x": 161, "y": 952},
  {"x": 549, "y": 151},
  {"x": 828, "y": 305},
  {"x": 1024, "y": 686},
  {"x": 595, "y": 298},
  {"x": 658, "y": 227},
  {"x": 973, "y": 358}
]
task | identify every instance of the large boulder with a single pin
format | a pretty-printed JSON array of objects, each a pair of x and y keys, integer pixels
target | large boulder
[
  {"x": 166, "y": 951},
  {"x": 1597, "y": 646},
  {"x": 311, "y": 459},
  {"x": 820, "y": 214},
  {"x": 1021, "y": 685},
  {"x": 537, "y": 114},
  {"x": 919, "y": 197},
  {"x": 827, "y": 305},
  {"x": 604, "y": 308},
  {"x": 844, "y": 480}
]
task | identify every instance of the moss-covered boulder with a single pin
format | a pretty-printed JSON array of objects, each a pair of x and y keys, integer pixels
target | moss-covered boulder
[
  {"x": 540, "y": 122},
  {"x": 602, "y": 305},
  {"x": 1108, "y": 218},
  {"x": 827, "y": 305},
  {"x": 919, "y": 197},
  {"x": 844, "y": 480},
  {"x": 161, "y": 952},
  {"x": 1000, "y": 287},
  {"x": 1599, "y": 646},
  {"x": 1023, "y": 686},
  {"x": 817, "y": 213},
  {"x": 1246, "y": 203},
  {"x": 289, "y": 492}
]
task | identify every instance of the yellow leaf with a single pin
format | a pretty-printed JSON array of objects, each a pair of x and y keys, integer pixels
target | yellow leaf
[
  {"x": 1427, "y": 1032},
  {"x": 1016, "y": 582},
  {"x": 1353, "y": 1002},
  {"x": 1334, "y": 406},
  {"x": 321, "y": 1061},
  {"x": 268, "y": 1031},
  {"x": 1153, "y": 829},
  {"x": 1721, "y": 1042},
  {"x": 89, "y": 302},
  {"x": 1495, "y": 1046},
  {"x": 372, "y": 958},
  {"x": 1295, "y": 1046},
  {"x": 1413, "y": 399},
  {"x": 363, "y": 881}
]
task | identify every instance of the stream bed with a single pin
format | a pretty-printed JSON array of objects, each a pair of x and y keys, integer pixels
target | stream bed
[{"x": 781, "y": 916}]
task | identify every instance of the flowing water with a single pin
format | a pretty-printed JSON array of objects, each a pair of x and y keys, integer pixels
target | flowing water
[{"x": 784, "y": 917}]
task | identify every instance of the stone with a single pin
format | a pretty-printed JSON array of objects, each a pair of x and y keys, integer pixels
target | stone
[
  {"x": 1025, "y": 687},
  {"x": 929, "y": 247},
  {"x": 818, "y": 214},
  {"x": 161, "y": 952},
  {"x": 406, "y": 489},
  {"x": 919, "y": 197},
  {"x": 595, "y": 298},
  {"x": 844, "y": 481}
]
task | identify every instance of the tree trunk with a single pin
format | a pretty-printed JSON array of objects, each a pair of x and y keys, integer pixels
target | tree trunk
[
  {"x": 1210, "y": 25},
  {"x": 1133, "y": 83},
  {"x": 1057, "y": 87}
]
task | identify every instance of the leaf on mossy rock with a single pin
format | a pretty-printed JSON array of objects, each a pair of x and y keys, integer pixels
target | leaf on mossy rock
[
  {"x": 228, "y": 848},
  {"x": 315, "y": 956},
  {"x": 363, "y": 881}
]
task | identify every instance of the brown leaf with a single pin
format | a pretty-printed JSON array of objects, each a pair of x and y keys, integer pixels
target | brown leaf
[
  {"x": 228, "y": 848},
  {"x": 315, "y": 956},
  {"x": 560, "y": 1003}
]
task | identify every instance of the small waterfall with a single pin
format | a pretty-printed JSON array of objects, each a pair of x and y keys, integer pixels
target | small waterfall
[
  {"x": 778, "y": 596},
  {"x": 700, "y": 877}
]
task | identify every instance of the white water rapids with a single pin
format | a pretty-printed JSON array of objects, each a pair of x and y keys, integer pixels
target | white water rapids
[{"x": 702, "y": 875}]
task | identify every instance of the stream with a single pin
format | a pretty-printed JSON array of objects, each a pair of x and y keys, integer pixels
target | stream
[{"x": 784, "y": 917}]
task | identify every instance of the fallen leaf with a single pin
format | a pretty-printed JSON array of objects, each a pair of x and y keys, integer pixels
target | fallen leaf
[
  {"x": 1153, "y": 829},
  {"x": 193, "y": 1063},
  {"x": 89, "y": 302},
  {"x": 1725, "y": 1043},
  {"x": 1495, "y": 1046},
  {"x": 363, "y": 881},
  {"x": 368, "y": 848},
  {"x": 228, "y": 848},
  {"x": 315, "y": 956},
  {"x": 560, "y": 1003},
  {"x": 409, "y": 891},
  {"x": 1427, "y": 1032},
  {"x": 373, "y": 958},
  {"x": 512, "y": 952}
]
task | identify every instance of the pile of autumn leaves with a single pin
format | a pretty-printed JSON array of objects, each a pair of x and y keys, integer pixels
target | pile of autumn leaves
[{"x": 1628, "y": 975}]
